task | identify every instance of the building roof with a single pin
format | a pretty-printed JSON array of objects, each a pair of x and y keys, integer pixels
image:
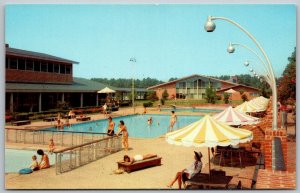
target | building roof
[
  {"x": 188, "y": 77},
  {"x": 37, "y": 55},
  {"x": 232, "y": 87},
  {"x": 78, "y": 85}
]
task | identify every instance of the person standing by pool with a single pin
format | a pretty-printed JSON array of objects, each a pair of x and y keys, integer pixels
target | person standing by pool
[
  {"x": 44, "y": 160},
  {"x": 173, "y": 120},
  {"x": 123, "y": 130},
  {"x": 111, "y": 126}
]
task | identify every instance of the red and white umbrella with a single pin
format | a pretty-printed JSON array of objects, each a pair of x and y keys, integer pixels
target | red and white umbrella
[{"x": 232, "y": 116}]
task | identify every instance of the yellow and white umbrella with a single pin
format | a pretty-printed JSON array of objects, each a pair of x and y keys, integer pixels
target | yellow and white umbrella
[
  {"x": 248, "y": 107},
  {"x": 260, "y": 102},
  {"x": 209, "y": 133}
]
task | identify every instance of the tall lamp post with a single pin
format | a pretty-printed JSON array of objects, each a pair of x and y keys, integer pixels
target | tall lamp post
[
  {"x": 132, "y": 89},
  {"x": 210, "y": 26}
]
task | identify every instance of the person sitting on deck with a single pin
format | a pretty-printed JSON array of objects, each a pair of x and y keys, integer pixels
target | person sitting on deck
[
  {"x": 71, "y": 114},
  {"x": 51, "y": 146},
  {"x": 138, "y": 157},
  {"x": 34, "y": 164},
  {"x": 44, "y": 160},
  {"x": 188, "y": 172}
]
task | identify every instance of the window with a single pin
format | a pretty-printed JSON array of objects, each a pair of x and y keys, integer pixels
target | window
[
  {"x": 62, "y": 68},
  {"x": 21, "y": 64},
  {"x": 37, "y": 66},
  {"x": 56, "y": 68},
  {"x": 50, "y": 67},
  {"x": 29, "y": 65},
  {"x": 254, "y": 94},
  {"x": 13, "y": 63},
  {"x": 68, "y": 69},
  {"x": 44, "y": 67}
]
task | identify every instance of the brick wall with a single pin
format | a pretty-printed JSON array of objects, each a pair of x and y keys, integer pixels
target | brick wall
[{"x": 38, "y": 77}]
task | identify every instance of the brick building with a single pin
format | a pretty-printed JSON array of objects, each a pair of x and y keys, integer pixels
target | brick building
[
  {"x": 38, "y": 82},
  {"x": 193, "y": 87}
]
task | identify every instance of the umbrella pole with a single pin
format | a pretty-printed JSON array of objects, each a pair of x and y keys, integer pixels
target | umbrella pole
[{"x": 208, "y": 162}]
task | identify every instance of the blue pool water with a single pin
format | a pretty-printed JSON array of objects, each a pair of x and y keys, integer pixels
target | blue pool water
[
  {"x": 200, "y": 110},
  {"x": 19, "y": 159},
  {"x": 136, "y": 124}
]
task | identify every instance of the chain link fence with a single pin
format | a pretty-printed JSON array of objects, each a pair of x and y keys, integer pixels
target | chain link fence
[
  {"x": 42, "y": 137},
  {"x": 71, "y": 158}
]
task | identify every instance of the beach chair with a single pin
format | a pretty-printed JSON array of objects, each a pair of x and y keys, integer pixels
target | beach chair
[{"x": 128, "y": 167}]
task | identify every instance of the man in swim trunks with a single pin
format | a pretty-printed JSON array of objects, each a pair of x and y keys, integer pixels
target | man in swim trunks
[{"x": 111, "y": 126}]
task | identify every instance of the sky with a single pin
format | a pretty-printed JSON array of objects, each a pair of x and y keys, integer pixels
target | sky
[{"x": 165, "y": 40}]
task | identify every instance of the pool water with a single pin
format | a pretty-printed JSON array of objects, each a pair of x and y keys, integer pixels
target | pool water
[
  {"x": 18, "y": 159},
  {"x": 200, "y": 110},
  {"x": 137, "y": 125}
]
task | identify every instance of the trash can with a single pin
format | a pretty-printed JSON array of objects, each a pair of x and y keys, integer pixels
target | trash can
[{"x": 284, "y": 119}]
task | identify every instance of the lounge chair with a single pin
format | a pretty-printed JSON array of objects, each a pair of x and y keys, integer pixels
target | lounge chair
[{"x": 155, "y": 161}]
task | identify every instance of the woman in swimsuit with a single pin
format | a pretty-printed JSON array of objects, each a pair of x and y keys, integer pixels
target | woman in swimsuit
[
  {"x": 138, "y": 157},
  {"x": 123, "y": 130},
  {"x": 173, "y": 120},
  {"x": 44, "y": 161}
]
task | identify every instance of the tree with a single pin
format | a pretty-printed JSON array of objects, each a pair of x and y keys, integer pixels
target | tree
[
  {"x": 165, "y": 95},
  {"x": 287, "y": 83},
  {"x": 210, "y": 95},
  {"x": 265, "y": 90},
  {"x": 244, "y": 97},
  {"x": 226, "y": 97},
  {"x": 171, "y": 79},
  {"x": 241, "y": 92},
  {"x": 152, "y": 96}
]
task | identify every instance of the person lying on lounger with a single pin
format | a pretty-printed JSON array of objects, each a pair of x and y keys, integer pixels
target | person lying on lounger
[{"x": 138, "y": 157}]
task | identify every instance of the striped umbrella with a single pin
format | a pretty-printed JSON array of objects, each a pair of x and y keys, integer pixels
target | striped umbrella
[
  {"x": 207, "y": 132},
  {"x": 260, "y": 102},
  {"x": 232, "y": 116},
  {"x": 248, "y": 107}
]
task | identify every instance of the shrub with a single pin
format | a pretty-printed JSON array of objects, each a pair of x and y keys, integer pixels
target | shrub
[
  {"x": 165, "y": 95},
  {"x": 226, "y": 98},
  {"x": 162, "y": 101},
  {"x": 148, "y": 104}
]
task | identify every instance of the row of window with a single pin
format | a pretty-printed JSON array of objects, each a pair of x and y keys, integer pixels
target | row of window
[{"x": 37, "y": 65}]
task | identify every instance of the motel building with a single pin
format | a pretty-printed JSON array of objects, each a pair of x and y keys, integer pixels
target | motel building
[
  {"x": 37, "y": 82},
  {"x": 193, "y": 87}
]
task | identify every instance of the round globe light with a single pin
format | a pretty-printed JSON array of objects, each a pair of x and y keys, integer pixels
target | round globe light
[{"x": 209, "y": 26}]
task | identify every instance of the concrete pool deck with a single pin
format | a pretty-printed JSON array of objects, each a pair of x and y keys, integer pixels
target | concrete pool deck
[{"x": 100, "y": 174}]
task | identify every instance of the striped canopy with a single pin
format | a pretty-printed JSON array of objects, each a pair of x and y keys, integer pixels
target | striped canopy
[
  {"x": 260, "y": 102},
  {"x": 106, "y": 90},
  {"x": 232, "y": 116},
  {"x": 209, "y": 133},
  {"x": 248, "y": 107}
]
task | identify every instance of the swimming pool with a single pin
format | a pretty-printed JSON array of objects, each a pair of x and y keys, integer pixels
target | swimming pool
[
  {"x": 200, "y": 110},
  {"x": 18, "y": 159},
  {"x": 136, "y": 124}
]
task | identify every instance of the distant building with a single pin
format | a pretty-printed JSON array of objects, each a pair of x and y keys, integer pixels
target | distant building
[
  {"x": 37, "y": 82},
  {"x": 193, "y": 87}
]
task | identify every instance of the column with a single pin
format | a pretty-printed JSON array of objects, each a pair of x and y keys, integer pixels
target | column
[
  {"x": 197, "y": 89},
  {"x": 186, "y": 94},
  {"x": 63, "y": 97},
  {"x": 40, "y": 102},
  {"x": 97, "y": 102},
  {"x": 275, "y": 158},
  {"x": 11, "y": 102},
  {"x": 81, "y": 99}
]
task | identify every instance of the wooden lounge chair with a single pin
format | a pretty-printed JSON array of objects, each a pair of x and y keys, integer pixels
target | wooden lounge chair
[
  {"x": 83, "y": 118},
  {"x": 155, "y": 161},
  {"x": 18, "y": 123}
]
